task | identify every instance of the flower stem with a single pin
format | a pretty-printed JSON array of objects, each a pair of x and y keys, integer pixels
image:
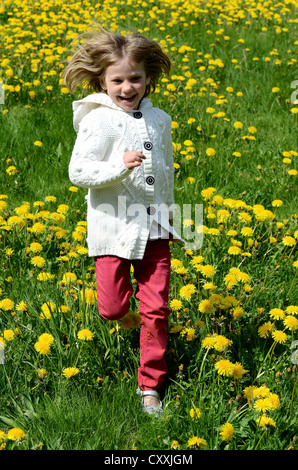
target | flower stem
[
  {"x": 79, "y": 354},
  {"x": 269, "y": 352},
  {"x": 260, "y": 439}
]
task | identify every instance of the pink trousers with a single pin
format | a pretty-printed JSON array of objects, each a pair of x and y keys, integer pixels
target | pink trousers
[{"x": 114, "y": 290}]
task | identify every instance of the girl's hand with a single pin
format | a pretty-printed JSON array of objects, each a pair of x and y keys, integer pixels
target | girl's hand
[{"x": 133, "y": 158}]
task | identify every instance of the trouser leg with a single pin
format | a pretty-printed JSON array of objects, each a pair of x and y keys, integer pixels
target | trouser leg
[
  {"x": 113, "y": 286},
  {"x": 153, "y": 276}
]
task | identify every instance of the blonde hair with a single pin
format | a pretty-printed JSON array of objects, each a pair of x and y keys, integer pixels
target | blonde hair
[{"x": 89, "y": 63}]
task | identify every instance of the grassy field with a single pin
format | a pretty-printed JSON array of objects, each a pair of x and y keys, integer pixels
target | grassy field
[{"x": 67, "y": 377}]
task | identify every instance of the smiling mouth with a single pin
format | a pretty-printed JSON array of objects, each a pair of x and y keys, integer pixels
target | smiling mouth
[{"x": 129, "y": 99}]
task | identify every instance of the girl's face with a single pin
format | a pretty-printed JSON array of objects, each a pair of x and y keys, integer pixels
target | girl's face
[{"x": 125, "y": 83}]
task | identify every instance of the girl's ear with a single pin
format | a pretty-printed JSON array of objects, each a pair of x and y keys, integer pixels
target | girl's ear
[
  {"x": 148, "y": 80},
  {"x": 102, "y": 84}
]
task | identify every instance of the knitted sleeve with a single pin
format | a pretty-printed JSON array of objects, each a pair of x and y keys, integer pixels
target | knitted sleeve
[{"x": 89, "y": 167}]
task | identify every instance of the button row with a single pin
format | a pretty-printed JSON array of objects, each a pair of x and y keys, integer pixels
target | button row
[
  {"x": 151, "y": 210},
  {"x": 150, "y": 180},
  {"x": 148, "y": 145},
  {"x": 137, "y": 115}
]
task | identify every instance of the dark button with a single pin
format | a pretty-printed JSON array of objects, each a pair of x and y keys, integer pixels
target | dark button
[
  {"x": 137, "y": 115},
  {"x": 151, "y": 210},
  {"x": 150, "y": 180},
  {"x": 148, "y": 145}
]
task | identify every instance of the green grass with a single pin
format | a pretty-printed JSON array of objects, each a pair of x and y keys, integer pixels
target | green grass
[{"x": 99, "y": 408}]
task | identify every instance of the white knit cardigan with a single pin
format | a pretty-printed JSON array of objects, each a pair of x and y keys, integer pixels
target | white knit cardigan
[{"x": 118, "y": 219}]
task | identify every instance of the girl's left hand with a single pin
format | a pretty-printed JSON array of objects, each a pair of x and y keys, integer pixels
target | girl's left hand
[{"x": 133, "y": 158}]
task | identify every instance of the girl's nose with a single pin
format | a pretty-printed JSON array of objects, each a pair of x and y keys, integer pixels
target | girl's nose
[{"x": 126, "y": 86}]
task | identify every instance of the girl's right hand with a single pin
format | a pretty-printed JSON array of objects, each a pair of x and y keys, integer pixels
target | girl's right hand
[{"x": 133, "y": 158}]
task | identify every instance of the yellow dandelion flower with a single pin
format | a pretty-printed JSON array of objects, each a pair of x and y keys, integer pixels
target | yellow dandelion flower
[
  {"x": 175, "y": 304},
  {"x": 247, "y": 231},
  {"x": 22, "y": 306},
  {"x": 196, "y": 442},
  {"x": 16, "y": 434},
  {"x": 291, "y": 323},
  {"x": 265, "y": 330},
  {"x": 38, "y": 228},
  {"x": 224, "y": 367},
  {"x": 227, "y": 432},
  {"x": 90, "y": 296},
  {"x": 238, "y": 125},
  {"x": 6, "y": 304},
  {"x": 42, "y": 347},
  {"x": 35, "y": 247},
  {"x": 274, "y": 400},
  {"x": 277, "y": 314},
  {"x": 188, "y": 333},
  {"x": 46, "y": 309},
  {"x": 292, "y": 310},
  {"x": 175, "y": 445},
  {"x": 38, "y": 261},
  {"x": 15, "y": 220},
  {"x": 210, "y": 152},
  {"x": 42, "y": 373},
  {"x": 238, "y": 371},
  {"x": 69, "y": 278},
  {"x": 175, "y": 328},
  {"x": 279, "y": 336},
  {"x": 277, "y": 203},
  {"x": 196, "y": 260},
  {"x": 85, "y": 334},
  {"x": 207, "y": 193},
  {"x": 262, "y": 405},
  {"x": 69, "y": 372},
  {"x": 176, "y": 263},
  {"x": 45, "y": 277},
  {"x": 205, "y": 306},
  {"x": 8, "y": 335},
  {"x": 265, "y": 421},
  {"x": 208, "y": 342},
  {"x": 11, "y": 170},
  {"x": 50, "y": 199},
  {"x": 262, "y": 391},
  {"x": 221, "y": 342},
  {"x": 289, "y": 241},
  {"x": 190, "y": 180},
  {"x": 195, "y": 413},
  {"x": 208, "y": 270},
  {"x": 237, "y": 312},
  {"x": 234, "y": 250},
  {"x": 186, "y": 291}
]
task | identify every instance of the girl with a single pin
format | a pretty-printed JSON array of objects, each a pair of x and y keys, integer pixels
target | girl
[{"x": 123, "y": 155}]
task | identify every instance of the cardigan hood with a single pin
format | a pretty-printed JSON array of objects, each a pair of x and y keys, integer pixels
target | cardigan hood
[{"x": 82, "y": 107}]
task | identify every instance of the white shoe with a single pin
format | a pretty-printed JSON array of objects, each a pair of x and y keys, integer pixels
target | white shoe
[{"x": 157, "y": 410}]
